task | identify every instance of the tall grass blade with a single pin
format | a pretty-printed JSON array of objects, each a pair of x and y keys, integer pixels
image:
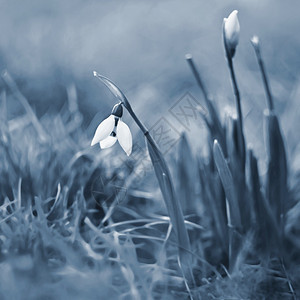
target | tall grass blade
[
  {"x": 173, "y": 206},
  {"x": 74, "y": 116},
  {"x": 276, "y": 189},
  {"x": 4, "y": 130},
  {"x": 263, "y": 220},
  {"x": 214, "y": 123},
  {"x": 16, "y": 92},
  {"x": 233, "y": 212},
  {"x": 186, "y": 173},
  {"x": 215, "y": 201},
  {"x": 256, "y": 45},
  {"x": 228, "y": 185},
  {"x": 236, "y": 164}
]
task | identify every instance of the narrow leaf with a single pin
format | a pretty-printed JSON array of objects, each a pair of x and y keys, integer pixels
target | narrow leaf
[
  {"x": 186, "y": 173},
  {"x": 228, "y": 185},
  {"x": 277, "y": 192},
  {"x": 173, "y": 206}
]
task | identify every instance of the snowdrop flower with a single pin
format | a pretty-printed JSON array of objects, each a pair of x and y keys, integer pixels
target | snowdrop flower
[
  {"x": 231, "y": 32},
  {"x": 112, "y": 129}
]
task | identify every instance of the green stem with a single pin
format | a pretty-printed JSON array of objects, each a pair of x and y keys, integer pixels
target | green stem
[
  {"x": 214, "y": 119},
  {"x": 238, "y": 107},
  {"x": 229, "y": 57},
  {"x": 264, "y": 76},
  {"x": 198, "y": 78},
  {"x": 236, "y": 93},
  {"x": 136, "y": 119}
]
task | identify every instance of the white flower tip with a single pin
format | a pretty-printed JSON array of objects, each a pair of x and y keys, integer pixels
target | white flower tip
[
  {"x": 215, "y": 141},
  {"x": 95, "y": 73},
  {"x": 231, "y": 32},
  {"x": 95, "y": 140},
  {"x": 128, "y": 152},
  {"x": 255, "y": 40},
  {"x": 127, "y": 149},
  {"x": 188, "y": 56}
]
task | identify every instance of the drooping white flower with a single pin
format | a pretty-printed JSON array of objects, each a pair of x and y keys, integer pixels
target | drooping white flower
[
  {"x": 231, "y": 32},
  {"x": 112, "y": 129}
]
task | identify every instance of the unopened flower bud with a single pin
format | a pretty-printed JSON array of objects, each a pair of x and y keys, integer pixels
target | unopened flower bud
[
  {"x": 255, "y": 40},
  {"x": 231, "y": 32}
]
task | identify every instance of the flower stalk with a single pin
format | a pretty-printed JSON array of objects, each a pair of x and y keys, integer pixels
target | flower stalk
[
  {"x": 165, "y": 183},
  {"x": 256, "y": 45},
  {"x": 214, "y": 120},
  {"x": 236, "y": 94},
  {"x": 231, "y": 29}
]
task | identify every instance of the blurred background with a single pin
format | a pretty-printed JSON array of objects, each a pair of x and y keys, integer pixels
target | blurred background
[{"x": 47, "y": 46}]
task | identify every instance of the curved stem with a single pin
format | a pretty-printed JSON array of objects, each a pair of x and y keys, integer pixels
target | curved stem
[{"x": 136, "y": 119}]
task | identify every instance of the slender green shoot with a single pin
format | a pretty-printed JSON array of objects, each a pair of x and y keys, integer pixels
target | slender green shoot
[{"x": 256, "y": 45}]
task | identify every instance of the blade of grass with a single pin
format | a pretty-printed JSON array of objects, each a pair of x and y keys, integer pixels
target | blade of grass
[
  {"x": 213, "y": 197},
  {"x": 277, "y": 191},
  {"x": 228, "y": 184},
  {"x": 256, "y": 45},
  {"x": 174, "y": 209},
  {"x": 186, "y": 176},
  {"x": 264, "y": 221},
  {"x": 234, "y": 218},
  {"x": 16, "y": 92},
  {"x": 4, "y": 130},
  {"x": 214, "y": 123},
  {"x": 236, "y": 164}
]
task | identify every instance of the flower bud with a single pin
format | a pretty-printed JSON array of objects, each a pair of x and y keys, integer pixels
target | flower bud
[
  {"x": 231, "y": 32},
  {"x": 117, "y": 110},
  {"x": 255, "y": 40}
]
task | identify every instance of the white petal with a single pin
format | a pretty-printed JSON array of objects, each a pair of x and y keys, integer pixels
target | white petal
[
  {"x": 104, "y": 130},
  {"x": 124, "y": 137},
  {"x": 232, "y": 29},
  {"x": 108, "y": 142}
]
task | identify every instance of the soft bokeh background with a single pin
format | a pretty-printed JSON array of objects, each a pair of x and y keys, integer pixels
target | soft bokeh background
[{"x": 48, "y": 45}]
